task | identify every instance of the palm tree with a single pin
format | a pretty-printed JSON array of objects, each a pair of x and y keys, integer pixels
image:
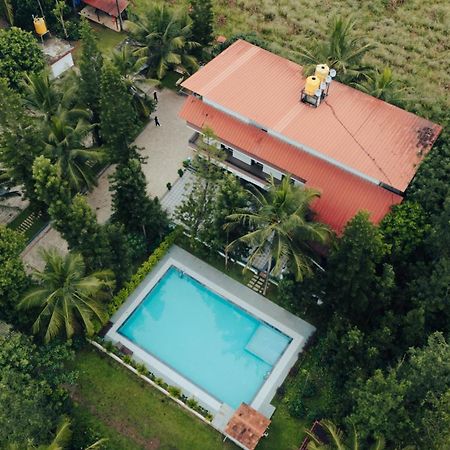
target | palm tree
[
  {"x": 67, "y": 298},
  {"x": 280, "y": 226},
  {"x": 130, "y": 66},
  {"x": 343, "y": 51},
  {"x": 45, "y": 97},
  {"x": 61, "y": 440},
  {"x": 64, "y": 143},
  {"x": 163, "y": 36},
  {"x": 336, "y": 439},
  {"x": 381, "y": 85}
]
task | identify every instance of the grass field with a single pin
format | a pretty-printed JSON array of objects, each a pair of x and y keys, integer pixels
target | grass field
[
  {"x": 411, "y": 38},
  {"x": 132, "y": 414}
]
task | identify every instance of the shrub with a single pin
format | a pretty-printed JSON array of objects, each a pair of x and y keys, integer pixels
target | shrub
[
  {"x": 296, "y": 407},
  {"x": 20, "y": 55},
  {"x": 281, "y": 391},
  {"x": 192, "y": 403},
  {"x": 73, "y": 29},
  {"x": 142, "y": 370},
  {"x": 144, "y": 270},
  {"x": 127, "y": 359},
  {"x": 174, "y": 391},
  {"x": 108, "y": 345},
  {"x": 169, "y": 186},
  {"x": 180, "y": 172}
]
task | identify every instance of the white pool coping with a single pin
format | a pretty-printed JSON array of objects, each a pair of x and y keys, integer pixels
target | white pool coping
[{"x": 255, "y": 304}]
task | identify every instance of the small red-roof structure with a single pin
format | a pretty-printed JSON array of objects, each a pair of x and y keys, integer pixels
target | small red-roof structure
[
  {"x": 247, "y": 426},
  {"x": 108, "y": 6},
  {"x": 359, "y": 151}
]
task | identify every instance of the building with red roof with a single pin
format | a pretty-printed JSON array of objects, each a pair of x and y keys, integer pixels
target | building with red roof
[{"x": 361, "y": 153}]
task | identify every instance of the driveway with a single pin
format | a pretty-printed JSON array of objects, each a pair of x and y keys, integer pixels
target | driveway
[{"x": 165, "y": 148}]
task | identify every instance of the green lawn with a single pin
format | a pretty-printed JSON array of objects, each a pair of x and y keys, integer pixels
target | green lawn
[
  {"x": 107, "y": 40},
  {"x": 132, "y": 414}
]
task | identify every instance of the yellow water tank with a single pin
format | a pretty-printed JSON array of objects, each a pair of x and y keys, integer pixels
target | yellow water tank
[
  {"x": 322, "y": 71},
  {"x": 312, "y": 84},
  {"x": 40, "y": 26}
]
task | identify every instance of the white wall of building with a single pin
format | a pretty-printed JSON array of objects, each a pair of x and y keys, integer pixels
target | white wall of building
[
  {"x": 242, "y": 157},
  {"x": 271, "y": 171},
  {"x": 63, "y": 64}
]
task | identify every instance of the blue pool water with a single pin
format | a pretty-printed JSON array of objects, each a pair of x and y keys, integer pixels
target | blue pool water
[{"x": 208, "y": 340}]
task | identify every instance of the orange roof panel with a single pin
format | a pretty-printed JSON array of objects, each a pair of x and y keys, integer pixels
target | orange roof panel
[
  {"x": 370, "y": 137},
  {"x": 343, "y": 194}
]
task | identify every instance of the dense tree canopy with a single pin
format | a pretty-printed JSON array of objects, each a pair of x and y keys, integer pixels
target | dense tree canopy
[
  {"x": 358, "y": 282},
  {"x": 118, "y": 117},
  {"x": 90, "y": 64},
  {"x": 202, "y": 16},
  {"x": 20, "y": 54},
  {"x": 24, "y": 10},
  {"x": 400, "y": 404},
  {"x": 20, "y": 141},
  {"x": 31, "y": 396},
  {"x": 12, "y": 274},
  {"x": 132, "y": 207}
]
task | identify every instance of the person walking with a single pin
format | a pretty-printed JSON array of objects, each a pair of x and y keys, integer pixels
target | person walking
[
  {"x": 157, "y": 124},
  {"x": 155, "y": 96}
]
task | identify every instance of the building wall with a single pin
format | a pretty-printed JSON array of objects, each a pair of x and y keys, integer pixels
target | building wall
[
  {"x": 63, "y": 64},
  {"x": 269, "y": 170}
]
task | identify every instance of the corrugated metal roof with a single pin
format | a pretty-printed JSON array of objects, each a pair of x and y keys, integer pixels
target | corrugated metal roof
[
  {"x": 350, "y": 128},
  {"x": 108, "y": 6},
  {"x": 343, "y": 194}
]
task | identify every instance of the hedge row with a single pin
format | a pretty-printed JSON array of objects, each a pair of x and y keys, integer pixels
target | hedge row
[{"x": 144, "y": 270}]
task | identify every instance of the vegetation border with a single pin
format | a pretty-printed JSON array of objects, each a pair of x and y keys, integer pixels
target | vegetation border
[{"x": 144, "y": 270}]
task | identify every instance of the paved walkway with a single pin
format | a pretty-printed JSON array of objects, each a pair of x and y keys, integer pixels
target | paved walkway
[{"x": 165, "y": 148}]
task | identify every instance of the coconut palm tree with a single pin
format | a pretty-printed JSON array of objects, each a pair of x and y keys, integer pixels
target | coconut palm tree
[
  {"x": 44, "y": 97},
  {"x": 64, "y": 144},
  {"x": 343, "y": 51},
  {"x": 67, "y": 298},
  {"x": 337, "y": 441},
  {"x": 163, "y": 36},
  {"x": 280, "y": 227},
  {"x": 381, "y": 85},
  {"x": 60, "y": 441},
  {"x": 130, "y": 67}
]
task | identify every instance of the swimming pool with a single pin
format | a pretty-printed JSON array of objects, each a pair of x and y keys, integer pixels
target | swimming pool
[{"x": 216, "y": 345}]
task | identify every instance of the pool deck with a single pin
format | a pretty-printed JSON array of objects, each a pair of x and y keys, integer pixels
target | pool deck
[{"x": 255, "y": 304}]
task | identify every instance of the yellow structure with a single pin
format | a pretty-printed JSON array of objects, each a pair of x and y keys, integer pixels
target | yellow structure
[
  {"x": 312, "y": 84},
  {"x": 322, "y": 71},
  {"x": 40, "y": 26}
]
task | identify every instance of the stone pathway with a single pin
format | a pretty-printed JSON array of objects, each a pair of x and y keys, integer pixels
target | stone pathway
[
  {"x": 181, "y": 188},
  {"x": 165, "y": 148}
]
